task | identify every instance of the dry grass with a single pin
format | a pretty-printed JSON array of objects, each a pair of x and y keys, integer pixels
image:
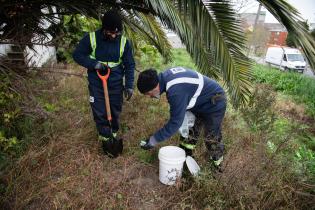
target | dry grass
[
  {"x": 287, "y": 106},
  {"x": 65, "y": 169},
  {"x": 288, "y": 109}
]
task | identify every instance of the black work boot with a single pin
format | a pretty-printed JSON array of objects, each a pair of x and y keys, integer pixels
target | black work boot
[
  {"x": 187, "y": 144},
  {"x": 216, "y": 163},
  {"x": 187, "y": 151},
  {"x": 215, "y": 154}
]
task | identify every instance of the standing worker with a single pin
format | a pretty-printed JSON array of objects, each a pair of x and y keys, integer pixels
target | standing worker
[
  {"x": 187, "y": 91},
  {"x": 107, "y": 47}
]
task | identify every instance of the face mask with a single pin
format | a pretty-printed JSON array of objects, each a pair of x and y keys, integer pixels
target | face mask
[
  {"x": 108, "y": 35},
  {"x": 157, "y": 96},
  {"x": 110, "y": 38}
]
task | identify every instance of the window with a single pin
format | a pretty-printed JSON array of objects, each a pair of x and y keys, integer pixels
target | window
[{"x": 295, "y": 57}]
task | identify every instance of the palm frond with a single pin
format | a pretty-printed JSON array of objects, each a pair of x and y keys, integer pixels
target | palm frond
[
  {"x": 154, "y": 28},
  {"x": 170, "y": 17},
  {"x": 229, "y": 26},
  {"x": 149, "y": 30},
  {"x": 213, "y": 37},
  {"x": 291, "y": 19}
]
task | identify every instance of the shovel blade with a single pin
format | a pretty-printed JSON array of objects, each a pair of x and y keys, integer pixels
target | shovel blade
[{"x": 113, "y": 147}]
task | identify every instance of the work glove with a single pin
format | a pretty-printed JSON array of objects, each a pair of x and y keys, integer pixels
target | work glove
[
  {"x": 128, "y": 93},
  {"x": 101, "y": 68},
  {"x": 148, "y": 143}
]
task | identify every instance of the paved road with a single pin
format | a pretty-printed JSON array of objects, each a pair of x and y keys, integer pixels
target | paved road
[{"x": 307, "y": 72}]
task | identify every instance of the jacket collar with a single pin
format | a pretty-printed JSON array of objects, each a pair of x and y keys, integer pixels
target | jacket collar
[{"x": 162, "y": 84}]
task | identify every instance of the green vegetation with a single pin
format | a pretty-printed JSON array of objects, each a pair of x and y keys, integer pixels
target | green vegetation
[
  {"x": 72, "y": 28},
  {"x": 11, "y": 121},
  {"x": 302, "y": 90},
  {"x": 300, "y": 87},
  {"x": 150, "y": 58}
]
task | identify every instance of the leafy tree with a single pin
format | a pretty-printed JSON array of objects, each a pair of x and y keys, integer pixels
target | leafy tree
[
  {"x": 261, "y": 35},
  {"x": 69, "y": 32},
  {"x": 210, "y": 29}
]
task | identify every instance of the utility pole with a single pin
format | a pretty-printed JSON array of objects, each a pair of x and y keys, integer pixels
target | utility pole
[{"x": 254, "y": 29}]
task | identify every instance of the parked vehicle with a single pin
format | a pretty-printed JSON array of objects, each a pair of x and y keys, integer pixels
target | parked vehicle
[{"x": 286, "y": 58}]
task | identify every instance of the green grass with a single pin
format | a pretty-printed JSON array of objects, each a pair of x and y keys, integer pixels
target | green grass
[
  {"x": 154, "y": 60},
  {"x": 300, "y": 87},
  {"x": 145, "y": 156}
]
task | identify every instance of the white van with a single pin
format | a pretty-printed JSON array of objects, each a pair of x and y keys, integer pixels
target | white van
[{"x": 286, "y": 58}]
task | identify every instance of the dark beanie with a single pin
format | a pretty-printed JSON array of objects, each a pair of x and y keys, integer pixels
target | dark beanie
[
  {"x": 112, "y": 21},
  {"x": 147, "y": 80}
]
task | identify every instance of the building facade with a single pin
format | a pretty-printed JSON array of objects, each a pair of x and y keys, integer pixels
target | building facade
[{"x": 278, "y": 38}]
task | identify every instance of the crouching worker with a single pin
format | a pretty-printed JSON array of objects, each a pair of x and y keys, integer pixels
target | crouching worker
[
  {"x": 107, "y": 51},
  {"x": 187, "y": 92}
]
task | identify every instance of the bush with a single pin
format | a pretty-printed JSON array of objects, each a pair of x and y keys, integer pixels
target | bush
[
  {"x": 10, "y": 117},
  {"x": 259, "y": 114}
]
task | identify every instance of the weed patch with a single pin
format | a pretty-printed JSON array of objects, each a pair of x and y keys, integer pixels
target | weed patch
[{"x": 300, "y": 87}]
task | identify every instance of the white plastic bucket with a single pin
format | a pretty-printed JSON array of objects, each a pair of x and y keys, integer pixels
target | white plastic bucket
[{"x": 172, "y": 160}]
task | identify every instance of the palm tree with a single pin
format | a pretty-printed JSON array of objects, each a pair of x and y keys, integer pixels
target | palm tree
[{"x": 210, "y": 29}]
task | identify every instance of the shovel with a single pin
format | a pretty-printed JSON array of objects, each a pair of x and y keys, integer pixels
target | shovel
[{"x": 112, "y": 147}]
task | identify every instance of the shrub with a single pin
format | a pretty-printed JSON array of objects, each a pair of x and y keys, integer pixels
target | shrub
[
  {"x": 259, "y": 114},
  {"x": 10, "y": 115}
]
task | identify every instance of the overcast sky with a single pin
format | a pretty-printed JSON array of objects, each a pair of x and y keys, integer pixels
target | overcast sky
[{"x": 305, "y": 7}]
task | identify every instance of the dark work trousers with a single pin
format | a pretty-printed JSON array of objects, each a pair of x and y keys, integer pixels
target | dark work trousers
[
  {"x": 212, "y": 123},
  {"x": 97, "y": 102}
]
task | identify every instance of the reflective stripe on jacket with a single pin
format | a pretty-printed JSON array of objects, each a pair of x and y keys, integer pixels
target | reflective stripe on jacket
[
  {"x": 187, "y": 90},
  {"x": 121, "y": 49}
]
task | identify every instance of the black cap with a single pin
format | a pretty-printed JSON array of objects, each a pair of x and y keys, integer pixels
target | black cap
[
  {"x": 147, "y": 80},
  {"x": 112, "y": 21}
]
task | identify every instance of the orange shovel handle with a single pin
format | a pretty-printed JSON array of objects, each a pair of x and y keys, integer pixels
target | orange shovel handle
[{"x": 106, "y": 96}]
